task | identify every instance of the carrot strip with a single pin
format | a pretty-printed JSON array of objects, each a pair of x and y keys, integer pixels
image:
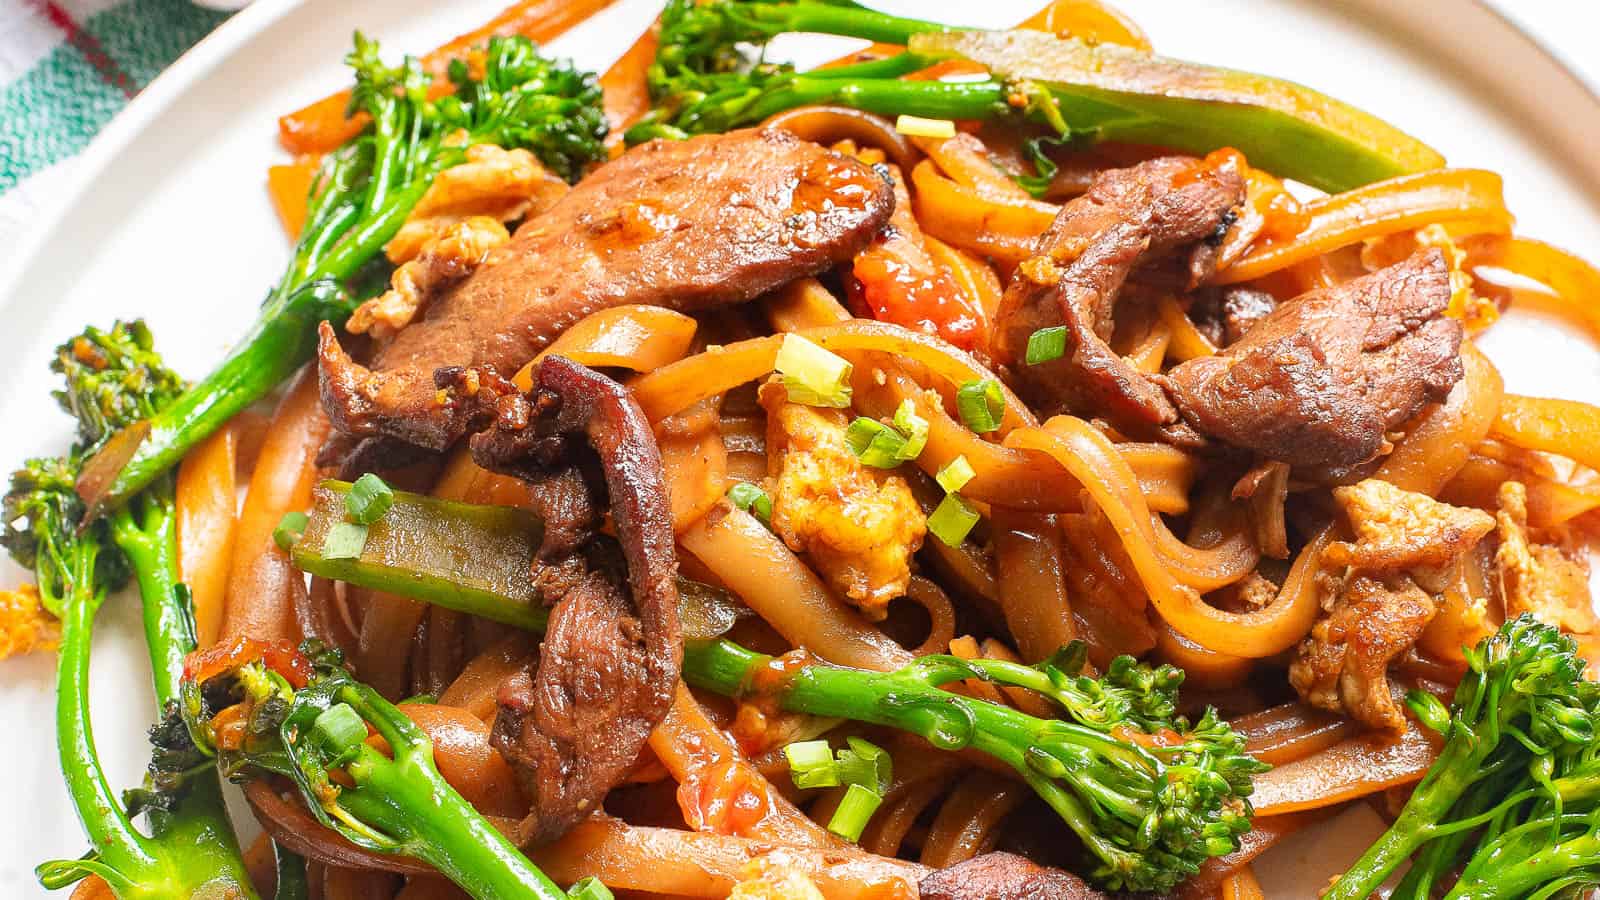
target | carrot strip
[
  {"x": 322, "y": 126},
  {"x": 207, "y": 512},
  {"x": 290, "y": 188},
  {"x": 626, "y": 95},
  {"x": 1090, "y": 21}
]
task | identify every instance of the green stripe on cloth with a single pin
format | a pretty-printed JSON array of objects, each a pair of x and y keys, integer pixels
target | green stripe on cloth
[
  {"x": 56, "y": 107},
  {"x": 145, "y": 36}
]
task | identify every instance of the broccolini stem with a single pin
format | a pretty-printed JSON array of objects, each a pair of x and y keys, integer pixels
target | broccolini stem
[
  {"x": 1447, "y": 781},
  {"x": 839, "y": 19},
  {"x": 1574, "y": 862},
  {"x": 911, "y": 701},
  {"x": 410, "y": 802},
  {"x": 184, "y": 860},
  {"x": 887, "y": 97},
  {"x": 151, "y": 546},
  {"x": 119, "y": 848},
  {"x": 282, "y": 340}
]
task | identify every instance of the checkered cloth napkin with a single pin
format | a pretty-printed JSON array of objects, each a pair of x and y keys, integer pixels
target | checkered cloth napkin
[{"x": 67, "y": 67}]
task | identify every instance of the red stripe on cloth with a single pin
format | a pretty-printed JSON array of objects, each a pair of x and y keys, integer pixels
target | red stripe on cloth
[{"x": 88, "y": 45}]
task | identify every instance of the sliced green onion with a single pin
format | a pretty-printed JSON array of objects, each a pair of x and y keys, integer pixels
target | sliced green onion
[
  {"x": 953, "y": 520},
  {"x": 340, "y": 732},
  {"x": 875, "y": 443},
  {"x": 590, "y": 888},
  {"x": 854, "y": 811},
  {"x": 866, "y": 764},
  {"x": 812, "y": 375},
  {"x": 1046, "y": 344},
  {"x": 289, "y": 529},
  {"x": 368, "y": 500},
  {"x": 753, "y": 500},
  {"x": 982, "y": 405},
  {"x": 426, "y": 699},
  {"x": 917, "y": 126},
  {"x": 955, "y": 474},
  {"x": 811, "y": 765},
  {"x": 345, "y": 540},
  {"x": 913, "y": 427}
]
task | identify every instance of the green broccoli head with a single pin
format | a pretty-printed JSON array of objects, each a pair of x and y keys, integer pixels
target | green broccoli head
[
  {"x": 705, "y": 39},
  {"x": 39, "y": 527},
  {"x": 113, "y": 379},
  {"x": 527, "y": 100}
]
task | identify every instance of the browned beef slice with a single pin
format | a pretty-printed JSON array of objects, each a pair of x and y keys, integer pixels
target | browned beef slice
[
  {"x": 1224, "y": 314},
  {"x": 573, "y": 723},
  {"x": 1321, "y": 379},
  {"x": 1004, "y": 876},
  {"x": 1143, "y": 220},
  {"x": 683, "y": 224}
]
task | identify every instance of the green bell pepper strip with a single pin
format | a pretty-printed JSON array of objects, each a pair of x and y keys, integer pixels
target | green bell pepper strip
[{"x": 1109, "y": 92}]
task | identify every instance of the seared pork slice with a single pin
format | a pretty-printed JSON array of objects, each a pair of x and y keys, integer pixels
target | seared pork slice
[
  {"x": 1321, "y": 379},
  {"x": 1004, "y": 876},
  {"x": 1142, "y": 222},
  {"x": 688, "y": 225},
  {"x": 572, "y": 724}
]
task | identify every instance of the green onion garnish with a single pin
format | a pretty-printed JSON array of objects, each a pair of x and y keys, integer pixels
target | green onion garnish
[
  {"x": 913, "y": 427},
  {"x": 865, "y": 763},
  {"x": 955, "y": 474},
  {"x": 812, "y": 375},
  {"x": 368, "y": 500},
  {"x": 345, "y": 540},
  {"x": 753, "y": 500},
  {"x": 982, "y": 405},
  {"x": 953, "y": 520},
  {"x": 590, "y": 889},
  {"x": 854, "y": 811},
  {"x": 1046, "y": 344},
  {"x": 340, "y": 732},
  {"x": 811, "y": 764},
  {"x": 289, "y": 530},
  {"x": 875, "y": 443}
]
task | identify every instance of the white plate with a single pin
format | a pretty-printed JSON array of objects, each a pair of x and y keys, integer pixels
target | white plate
[{"x": 170, "y": 221}]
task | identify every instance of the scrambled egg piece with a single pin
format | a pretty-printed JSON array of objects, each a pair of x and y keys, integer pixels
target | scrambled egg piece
[
  {"x": 25, "y": 625},
  {"x": 1538, "y": 578},
  {"x": 1398, "y": 529},
  {"x": 504, "y": 185},
  {"x": 444, "y": 261},
  {"x": 771, "y": 880},
  {"x": 1406, "y": 545},
  {"x": 859, "y": 525}
]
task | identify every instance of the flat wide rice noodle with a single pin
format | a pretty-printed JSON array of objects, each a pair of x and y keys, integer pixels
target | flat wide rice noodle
[
  {"x": 1356, "y": 767},
  {"x": 1466, "y": 199},
  {"x": 690, "y": 864}
]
